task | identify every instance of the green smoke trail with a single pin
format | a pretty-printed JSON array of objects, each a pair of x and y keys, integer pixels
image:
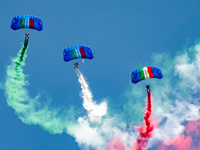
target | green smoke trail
[
  {"x": 21, "y": 54},
  {"x": 28, "y": 109}
]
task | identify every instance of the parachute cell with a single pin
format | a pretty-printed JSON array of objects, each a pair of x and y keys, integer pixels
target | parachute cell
[
  {"x": 77, "y": 52},
  {"x": 26, "y": 21},
  {"x": 145, "y": 73}
]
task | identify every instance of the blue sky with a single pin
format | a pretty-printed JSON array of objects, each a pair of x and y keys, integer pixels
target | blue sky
[{"x": 124, "y": 36}]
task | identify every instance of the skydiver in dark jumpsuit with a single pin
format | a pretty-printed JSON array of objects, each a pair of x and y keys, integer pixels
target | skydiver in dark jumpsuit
[
  {"x": 75, "y": 65},
  {"x": 148, "y": 87}
]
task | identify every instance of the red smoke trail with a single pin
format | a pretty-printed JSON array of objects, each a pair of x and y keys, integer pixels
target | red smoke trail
[
  {"x": 145, "y": 132},
  {"x": 150, "y": 124}
]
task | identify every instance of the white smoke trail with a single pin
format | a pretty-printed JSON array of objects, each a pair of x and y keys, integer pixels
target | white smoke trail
[
  {"x": 95, "y": 111},
  {"x": 176, "y": 102}
]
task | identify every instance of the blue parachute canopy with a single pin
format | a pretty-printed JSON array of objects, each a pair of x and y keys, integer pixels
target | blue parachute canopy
[
  {"x": 77, "y": 52},
  {"x": 26, "y": 21},
  {"x": 146, "y": 73}
]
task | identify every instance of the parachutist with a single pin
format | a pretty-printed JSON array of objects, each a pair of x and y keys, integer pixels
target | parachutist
[
  {"x": 27, "y": 35},
  {"x": 75, "y": 65},
  {"x": 148, "y": 87}
]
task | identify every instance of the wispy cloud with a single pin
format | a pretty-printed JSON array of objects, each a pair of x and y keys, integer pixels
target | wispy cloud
[{"x": 176, "y": 102}]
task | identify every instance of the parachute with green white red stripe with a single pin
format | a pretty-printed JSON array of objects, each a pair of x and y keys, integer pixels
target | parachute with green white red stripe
[
  {"x": 146, "y": 73},
  {"x": 27, "y": 21},
  {"x": 77, "y": 52}
]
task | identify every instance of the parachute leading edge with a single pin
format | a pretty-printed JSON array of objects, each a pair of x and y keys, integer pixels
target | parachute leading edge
[
  {"x": 145, "y": 73},
  {"x": 26, "y": 21},
  {"x": 77, "y": 52}
]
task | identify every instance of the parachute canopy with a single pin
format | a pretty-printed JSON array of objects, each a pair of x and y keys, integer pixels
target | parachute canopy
[
  {"x": 26, "y": 21},
  {"x": 145, "y": 73},
  {"x": 76, "y": 52}
]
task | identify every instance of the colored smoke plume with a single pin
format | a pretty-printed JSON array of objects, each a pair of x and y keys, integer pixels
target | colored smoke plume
[
  {"x": 115, "y": 144},
  {"x": 150, "y": 125},
  {"x": 145, "y": 132},
  {"x": 189, "y": 140},
  {"x": 95, "y": 111},
  {"x": 28, "y": 109}
]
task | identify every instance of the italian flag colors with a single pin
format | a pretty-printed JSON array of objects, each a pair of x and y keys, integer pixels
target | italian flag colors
[
  {"x": 145, "y": 73},
  {"x": 26, "y": 21},
  {"x": 76, "y": 52}
]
